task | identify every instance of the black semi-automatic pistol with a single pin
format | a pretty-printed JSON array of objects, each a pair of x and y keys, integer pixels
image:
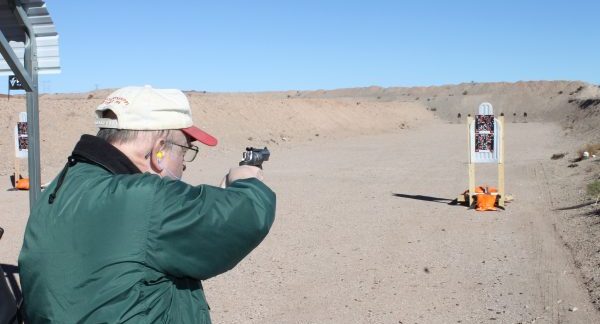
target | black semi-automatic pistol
[{"x": 255, "y": 157}]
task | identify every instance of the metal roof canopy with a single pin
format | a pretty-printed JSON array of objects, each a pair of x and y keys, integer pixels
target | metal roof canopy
[{"x": 25, "y": 25}]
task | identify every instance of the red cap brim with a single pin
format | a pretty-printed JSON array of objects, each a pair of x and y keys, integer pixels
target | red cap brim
[{"x": 199, "y": 135}]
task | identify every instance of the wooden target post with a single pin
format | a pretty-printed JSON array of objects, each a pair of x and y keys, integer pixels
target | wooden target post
[{"x": 486, "y": 145}]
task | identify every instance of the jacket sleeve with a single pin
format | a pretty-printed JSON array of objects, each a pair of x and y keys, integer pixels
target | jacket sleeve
[{"x": 200, "y": 232}]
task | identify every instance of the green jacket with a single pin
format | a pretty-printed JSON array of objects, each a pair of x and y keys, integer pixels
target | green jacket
[{"x": 133, "y": 247}]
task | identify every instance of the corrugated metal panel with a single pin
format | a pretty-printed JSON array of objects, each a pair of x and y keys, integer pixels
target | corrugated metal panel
[{"x": 43, "y": 29}]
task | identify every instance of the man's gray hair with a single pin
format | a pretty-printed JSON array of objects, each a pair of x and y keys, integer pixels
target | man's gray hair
[{"x": 122, "y": 136}]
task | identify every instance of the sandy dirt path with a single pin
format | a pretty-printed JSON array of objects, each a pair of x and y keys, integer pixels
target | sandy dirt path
[{"x": 350, "y": 245}]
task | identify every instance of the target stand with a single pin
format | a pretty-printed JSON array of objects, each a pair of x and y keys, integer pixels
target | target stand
[{"x": 486, "y": 145}]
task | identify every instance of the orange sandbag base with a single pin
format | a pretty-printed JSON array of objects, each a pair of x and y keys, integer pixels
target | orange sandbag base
[
  {"x": 486, "y": 202},
  {"x": 486, "y": 198},
  {"x": 22, "y": 184}
]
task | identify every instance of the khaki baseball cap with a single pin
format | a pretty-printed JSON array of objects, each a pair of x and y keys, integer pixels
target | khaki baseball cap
[{"x": 146, "y": 108}]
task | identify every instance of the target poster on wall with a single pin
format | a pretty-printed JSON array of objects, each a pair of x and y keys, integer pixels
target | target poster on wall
[
  {"x": 21, "y": 137},
  {"x": 484, "y": 136},
  {"x": 484, "y": 133}
]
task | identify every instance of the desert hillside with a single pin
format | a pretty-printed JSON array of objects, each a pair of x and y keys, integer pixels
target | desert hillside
[
  {"x": 236, "y": 119},
  {"x": 573, "y": 104},
  {"x": 283, "y": 118}
]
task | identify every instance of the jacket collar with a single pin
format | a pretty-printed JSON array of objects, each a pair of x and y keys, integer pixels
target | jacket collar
[{"x": 94, "y": 150}]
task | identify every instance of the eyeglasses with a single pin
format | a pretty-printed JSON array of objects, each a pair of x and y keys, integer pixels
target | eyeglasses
[{"x": 189, "y": 152}]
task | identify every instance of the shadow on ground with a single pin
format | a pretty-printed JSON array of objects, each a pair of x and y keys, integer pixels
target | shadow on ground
[
  {"x": 576, "y": 206},
  {"x": 427, "y": 198}
]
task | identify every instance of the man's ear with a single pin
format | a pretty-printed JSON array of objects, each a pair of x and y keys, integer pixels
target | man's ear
[{"x": 156, "y": 155}]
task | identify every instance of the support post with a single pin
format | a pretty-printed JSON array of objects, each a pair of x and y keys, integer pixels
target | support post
[
  {"x": 470, "y": 121},
  {"x": 501, "y": 189},
  {"x": 33, "y": 133},
  {"x": 17, "y": 171}
]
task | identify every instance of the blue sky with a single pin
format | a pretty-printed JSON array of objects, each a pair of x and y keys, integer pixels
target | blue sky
[{"x": 302, "y": 45}]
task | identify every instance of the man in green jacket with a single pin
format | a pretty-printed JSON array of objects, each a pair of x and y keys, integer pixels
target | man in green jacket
[{"x": 116, "y": 237}]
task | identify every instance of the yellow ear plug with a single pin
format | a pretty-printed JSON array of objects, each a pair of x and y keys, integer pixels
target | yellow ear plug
[{"x": 160, "y": 154}]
